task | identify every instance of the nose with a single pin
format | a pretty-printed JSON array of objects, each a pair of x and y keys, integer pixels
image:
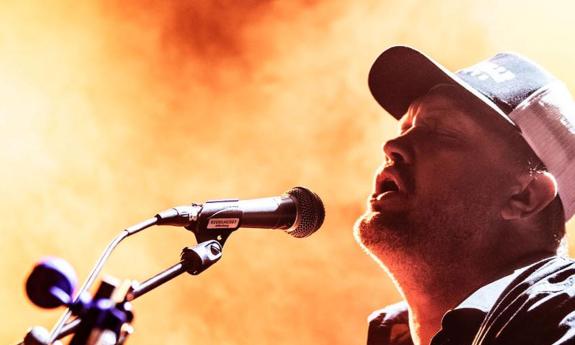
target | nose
[{"x": 397, "y": 150}]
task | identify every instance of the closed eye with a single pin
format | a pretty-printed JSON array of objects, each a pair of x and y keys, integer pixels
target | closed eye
[{"x": 447, "y": 134}]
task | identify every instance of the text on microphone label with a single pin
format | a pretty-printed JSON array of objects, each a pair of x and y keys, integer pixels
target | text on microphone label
[{"x": 223, "y": 223}]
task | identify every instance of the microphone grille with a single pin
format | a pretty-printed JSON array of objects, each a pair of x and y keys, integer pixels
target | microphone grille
[{"x": 310, "y": 212}]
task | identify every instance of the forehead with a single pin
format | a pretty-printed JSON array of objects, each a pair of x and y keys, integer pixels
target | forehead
[{"x": 451, "y": 105}]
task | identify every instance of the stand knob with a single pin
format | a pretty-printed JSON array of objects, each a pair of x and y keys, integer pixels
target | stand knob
[{"x": 51, "y": 283}]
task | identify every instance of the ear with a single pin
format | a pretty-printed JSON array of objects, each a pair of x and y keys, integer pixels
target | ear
[{"x": 532, "y": 194}]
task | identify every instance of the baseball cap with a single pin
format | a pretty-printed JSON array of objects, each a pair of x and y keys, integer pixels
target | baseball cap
[{"x": 536, "y": 103}]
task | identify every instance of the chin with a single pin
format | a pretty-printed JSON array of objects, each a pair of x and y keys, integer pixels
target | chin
[{"x": 381, "y": 234}]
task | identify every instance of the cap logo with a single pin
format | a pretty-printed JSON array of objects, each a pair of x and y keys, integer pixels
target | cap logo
[{"x": 489, "y": 70}]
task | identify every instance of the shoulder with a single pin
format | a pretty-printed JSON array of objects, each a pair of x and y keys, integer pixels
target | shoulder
[
  {"x": 538, "y": 307},
  {"x": 555, "y": 275},
  {"x": 393, "y": 313},
  {"x": 389, "y": 326}
]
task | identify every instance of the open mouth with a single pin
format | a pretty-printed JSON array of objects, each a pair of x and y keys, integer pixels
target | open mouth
[
  {"x": 388, "y": 185},
  {"x": 390, "y": 192}
]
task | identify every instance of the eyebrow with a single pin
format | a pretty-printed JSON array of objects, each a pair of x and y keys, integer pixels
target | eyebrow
[
  {"x": 448, "y": 115},
  {"x": 414, "y": 111}
]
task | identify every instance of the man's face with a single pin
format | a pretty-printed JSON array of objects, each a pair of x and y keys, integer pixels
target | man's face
[{"x": 445, "y": 178}]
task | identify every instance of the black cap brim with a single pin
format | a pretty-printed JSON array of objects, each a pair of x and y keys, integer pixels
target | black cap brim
[{"x": 402, "y": 74}]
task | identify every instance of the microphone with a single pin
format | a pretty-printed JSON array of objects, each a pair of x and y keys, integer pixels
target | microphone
[{"x": 299, "y": 212}]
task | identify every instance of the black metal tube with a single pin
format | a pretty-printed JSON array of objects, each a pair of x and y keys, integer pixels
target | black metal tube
[{"x": 156, "y": 281}]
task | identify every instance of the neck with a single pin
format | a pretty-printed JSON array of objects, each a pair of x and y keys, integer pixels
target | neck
[
  {"x": 430, "y": 293},
  {"x": 433, "y": 289}
]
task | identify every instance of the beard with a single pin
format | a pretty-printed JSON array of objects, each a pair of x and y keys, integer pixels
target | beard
[
  {"x": 383, "y": 232},
  {"x": 441, "y": 233},
  {"x": 385, "y": 236}
]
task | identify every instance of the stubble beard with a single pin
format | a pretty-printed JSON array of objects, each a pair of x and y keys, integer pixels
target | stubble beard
[
  {"x": 386, "y": 237},
  {"x": 432, "y": 238}
]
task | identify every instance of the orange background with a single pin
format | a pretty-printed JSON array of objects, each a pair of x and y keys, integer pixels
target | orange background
[{"x": 110, "y": 113}]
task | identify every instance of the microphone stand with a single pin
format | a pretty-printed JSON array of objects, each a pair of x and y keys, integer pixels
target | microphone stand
[
  {"x": 98, "y": 268},
  {"x": 194, "y": 260}
]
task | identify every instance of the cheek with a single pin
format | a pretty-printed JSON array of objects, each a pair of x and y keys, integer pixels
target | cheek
[{"x": 461, "y": 172}]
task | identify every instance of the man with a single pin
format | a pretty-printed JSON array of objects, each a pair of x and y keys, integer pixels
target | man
[{"x": 469, "y": 208}]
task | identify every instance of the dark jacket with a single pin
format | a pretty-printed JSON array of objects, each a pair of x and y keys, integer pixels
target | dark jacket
[{"x": 536, "y": 308}]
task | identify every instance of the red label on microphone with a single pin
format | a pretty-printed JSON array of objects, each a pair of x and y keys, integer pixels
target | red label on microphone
[{"x": 223, "y": 223}]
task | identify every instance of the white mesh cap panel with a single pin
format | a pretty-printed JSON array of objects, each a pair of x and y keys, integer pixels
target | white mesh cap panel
[{"x": 547, "y": 122}]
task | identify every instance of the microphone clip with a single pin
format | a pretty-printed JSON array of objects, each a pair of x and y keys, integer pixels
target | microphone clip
[
  {"x": 198, "y": 258},
  {"x": 179, "y": 215},
  {"x": 217, "y": 225}
]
